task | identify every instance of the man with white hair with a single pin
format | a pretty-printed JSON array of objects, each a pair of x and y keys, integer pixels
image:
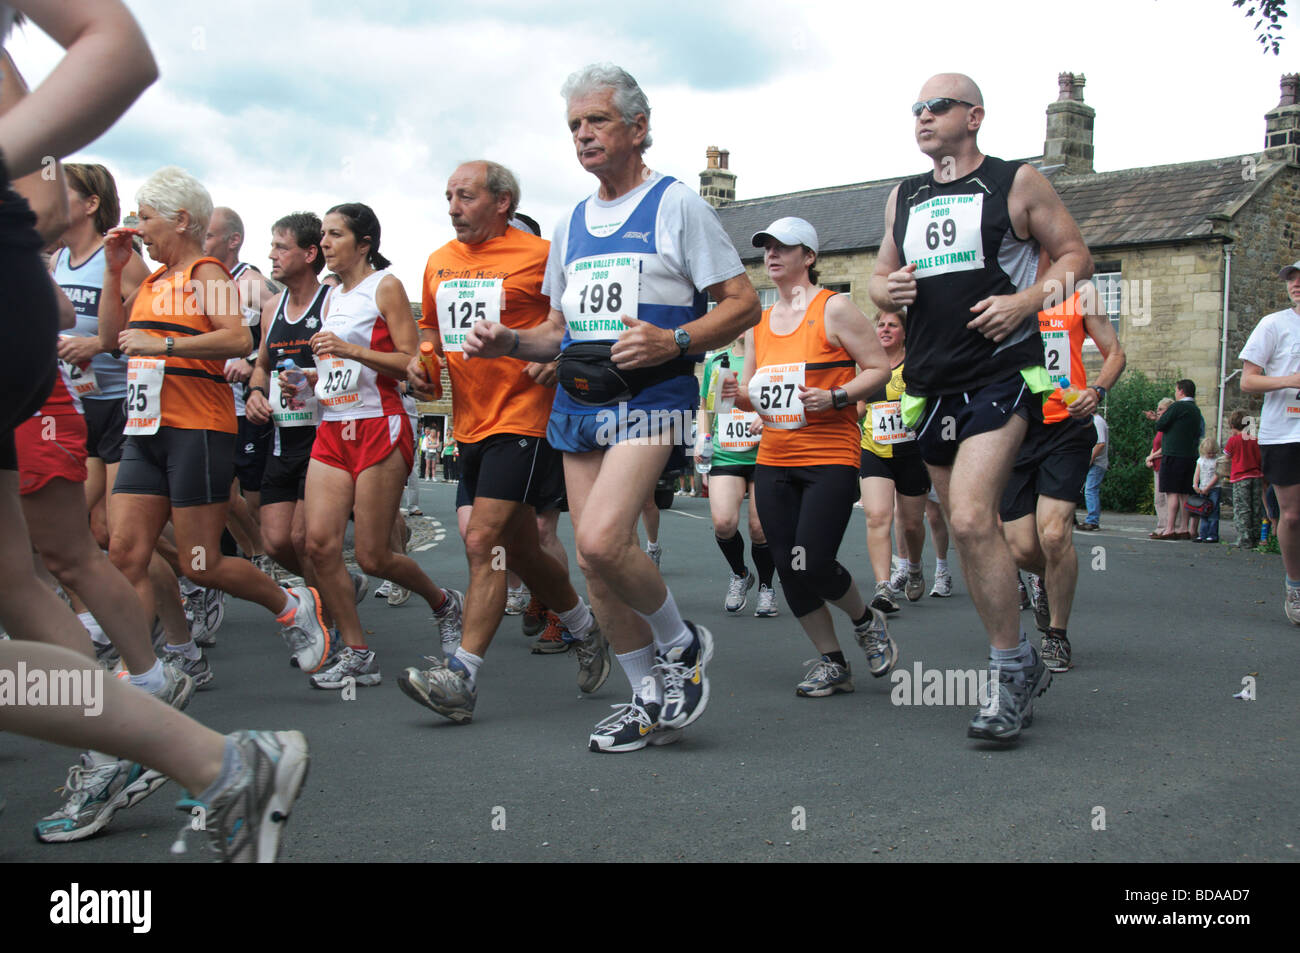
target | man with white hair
[
  {"x": 960, "y": 252},
  {"x": 627, "y": 277}
]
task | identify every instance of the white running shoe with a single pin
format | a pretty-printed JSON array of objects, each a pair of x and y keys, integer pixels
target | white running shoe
[
  {"x": 385, "y": 588},
  {"x": 359, "y": 585},
  {"x": 362, "y": 667},
  {"x": 306, "y": 634},
  {"x": 397, "y": 596},
  {"x": 766, "y": 603},
  {"x": 738, "y": 591},
  {"x": 449, "y": 621},
  {"x": 517, "y": 600},
  {"x": 246, "y": 818},
  {"x": 942, "y": 588}
]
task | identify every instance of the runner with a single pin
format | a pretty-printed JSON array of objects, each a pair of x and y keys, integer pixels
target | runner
[
  {"x": 1041, "y": 495},
  {"x": 893, "y": 476},
  {"x": 960, "y": 252},
  {"x": 364, "y": 446},
  {"x": 625, "y": 329},
  {"x": 942, "y": 587},
  {"x": 799, "y": 377},
  {"x": 508, "y": 470},
  {"x": 177, "y": 464},
  {"x": 1271, "y": 366},
  {"x": 734, "y": 438}
]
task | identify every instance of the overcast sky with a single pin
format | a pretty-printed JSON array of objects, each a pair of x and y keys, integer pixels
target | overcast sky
[{"x": 290, "y": 105}]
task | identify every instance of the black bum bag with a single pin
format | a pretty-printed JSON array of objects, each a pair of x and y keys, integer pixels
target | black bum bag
[{"x": 589, "y": 375}]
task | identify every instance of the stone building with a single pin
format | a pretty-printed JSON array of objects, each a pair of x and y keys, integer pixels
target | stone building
[{"x": 1186, "y": 255}]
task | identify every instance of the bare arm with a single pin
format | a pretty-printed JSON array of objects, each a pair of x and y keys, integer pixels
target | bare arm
[
  {"x": 848, "y": 327},
  {"x": 230, "y": 337},
  {"x": 46, "y": 194},
  {"x": 646, "y": 345},
  {"x": 1255, "y": 381},
  {"x": 540, "y": 344},
  {"x": 107, "y": 65},
  {"x": 391, "y": 300},
  {"x": 1102, "y": 332}
]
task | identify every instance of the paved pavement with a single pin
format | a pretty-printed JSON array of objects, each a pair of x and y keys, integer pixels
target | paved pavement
[{"x": 1144, "y": 736}]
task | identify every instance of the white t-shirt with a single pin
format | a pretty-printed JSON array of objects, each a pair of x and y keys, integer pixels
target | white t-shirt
[
  {"x": 1205, "y": 470},
  {"x": 1275, "y": 346},
  {"x": 1103, "y": 437}
]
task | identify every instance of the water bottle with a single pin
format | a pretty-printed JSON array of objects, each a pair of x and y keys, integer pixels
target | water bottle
[
  {"x": 705, "y": 462},
  {"x": 1068, "y": 394},
  {"x": 1263, "y": 530},
  {"x": 292, "y": 380},
  {"x": 724, "y": 405}
]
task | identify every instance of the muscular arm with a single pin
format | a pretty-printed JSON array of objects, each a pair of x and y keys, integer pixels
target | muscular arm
[
  {"x": 1102, "y": 332},
  {"x": 737, "y": 310},
  {"x": 890, "y": 287},
  {"x": 1255, "y": 381},
  {"x": 848, "y": 327},
  {"x": 48, "y": 196}
]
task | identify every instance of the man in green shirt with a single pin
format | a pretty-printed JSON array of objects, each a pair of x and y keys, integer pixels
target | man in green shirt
[{"x": 1182, "y": 426}]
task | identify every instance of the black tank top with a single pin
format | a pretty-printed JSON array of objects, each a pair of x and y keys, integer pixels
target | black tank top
[
  {"x": 286, "y": 339},
  {"x": 965, "y": 250}
]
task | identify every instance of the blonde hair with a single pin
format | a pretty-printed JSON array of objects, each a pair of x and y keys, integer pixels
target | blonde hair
[
  {"x": 1209, "y": 447},
  {"x": 1165, "y": 404},
  {"x": 172, "y": 190}
]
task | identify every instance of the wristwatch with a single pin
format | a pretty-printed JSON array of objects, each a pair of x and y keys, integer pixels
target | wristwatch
[
  {"x": 1101, "y": 393},
  {"x": 683, "y": 339},
  {"x": 839, "y": 398},
  {"x": 171, "y": 343}
]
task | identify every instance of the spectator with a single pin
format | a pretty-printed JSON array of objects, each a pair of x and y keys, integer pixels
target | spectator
[
  {"x": 1205, "y": 529},
  {"x": 1096, "y": 473},
  {"x": 1247, "y": 507},
  {"x": 1153, "y": 461},
  {"x": 1183, "y": 427}
]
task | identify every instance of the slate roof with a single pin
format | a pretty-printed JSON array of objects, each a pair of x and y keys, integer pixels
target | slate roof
[{"x": 1128, "y": 207}]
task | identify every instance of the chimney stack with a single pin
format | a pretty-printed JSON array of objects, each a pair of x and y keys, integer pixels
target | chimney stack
[
  {"x": 717, "y": 182},
  {"x": 1069, "y": 127},
  {"x": 1282, "y": 123}
]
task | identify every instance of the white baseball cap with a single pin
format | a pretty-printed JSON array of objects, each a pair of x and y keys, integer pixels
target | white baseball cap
[
  {"x": 1286, "y": 273},
  {"x": 788, "y": 231}
]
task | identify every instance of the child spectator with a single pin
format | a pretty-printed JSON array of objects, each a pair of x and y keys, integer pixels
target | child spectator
[
  {"x": 1205, "y": 481},
  {"x": 1247, "y": 507}
]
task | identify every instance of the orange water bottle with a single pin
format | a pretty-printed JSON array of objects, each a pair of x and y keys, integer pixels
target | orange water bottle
[{"x": 432, "y": 367}]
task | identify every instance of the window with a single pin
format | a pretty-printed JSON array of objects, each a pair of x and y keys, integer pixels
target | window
[{"x": 1109, "y": 287}]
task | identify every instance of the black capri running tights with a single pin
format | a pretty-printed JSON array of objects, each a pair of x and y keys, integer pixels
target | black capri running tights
[
  {"x": 804, "y": 512},
  {"x": 28, "y": 317}
]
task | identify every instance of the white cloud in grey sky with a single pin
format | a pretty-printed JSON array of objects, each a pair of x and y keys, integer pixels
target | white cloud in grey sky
[{"x": 302, "y": 105}]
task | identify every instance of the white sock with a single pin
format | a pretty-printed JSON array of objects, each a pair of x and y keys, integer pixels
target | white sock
[
  {"x": 913, "y": 566},
  {"x": 153, "y": 680},
  {"x": 96, "y": 758},
  {"x": 940, "y": 565},
  {"x": 638, "y": 667},
  {"x": 93, "y": 627},
  {"x": 577, "y": 620},
  {"x": 471, "y": 662},
  {"x": 291, "y": 605},
  {"x": 188, "y": 649},
  {"x": 667, "y": 626},
  {"x": 651, "y": 547}
]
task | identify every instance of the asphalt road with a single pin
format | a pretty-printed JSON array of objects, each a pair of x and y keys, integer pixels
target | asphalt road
[{"x": 1144, "y": 729}]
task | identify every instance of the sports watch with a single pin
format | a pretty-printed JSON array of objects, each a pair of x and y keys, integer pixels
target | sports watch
[{"x": 683, "y": 339}]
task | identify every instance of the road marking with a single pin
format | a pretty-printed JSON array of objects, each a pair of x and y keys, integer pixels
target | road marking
[{"x": 689, "y": 516}]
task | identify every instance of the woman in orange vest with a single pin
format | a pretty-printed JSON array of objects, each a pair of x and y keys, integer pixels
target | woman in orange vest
[
  {"x": 178, "y": 460},
  {"x": 801, "y": 376}
]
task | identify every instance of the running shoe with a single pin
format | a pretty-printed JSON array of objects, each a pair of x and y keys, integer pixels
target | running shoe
[
  {"x": 1292, "y": 604},
  {"x": 443, "y": 687},
  {"x": 305, "y": 633},
  {"x": 942, "y": 588},
  {"x": 738, "y": 591},
  {"x": 824, "y": 678},
  {"x": 416, "y": 511},
  {"x": 107, "y": 655},
  {"x": 883, "y": 600},
  {"x": 898, "y": 578},
  {"x": 361, "y": 667},
  {"x": 914, "y": 588},
  {"x": 1011, "y": 706},
  {"x": 1024, "y": 593},
  {"x": 1056, "y": 653},
  {"x": 686, "y": 684},
  {"x": 397, "y": 596},
  {"x": 593, "y": 658},
  {"x": 384, "y": 589},
  {"x": 177, "y": 687},
  {"x": 359, "y": 585},
  {"x": 198, "y": 669},
  {"x": 266, "y": 564},
  {"x": 553, "y": 641},
  {"x": 517, "y": 600},
  {"x": 95, "y": 794},
  {"x": 1038, "y": 595},
  {"x": 766, "y": 603},
  {"x": 655, "y": 552},
  {"x": 449, "y": 620},
  {"x": 246, "y": 818},
  {"x": 534, "y": 620},
  {"x": 214, "y": 607},
  {"x": 628, "y": 729},
  {"x": 192, "y": 603},
  {"x": 873, "y": 637}
]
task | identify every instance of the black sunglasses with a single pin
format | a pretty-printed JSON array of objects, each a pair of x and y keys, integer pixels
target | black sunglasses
[{"x": 937, "y": 106}]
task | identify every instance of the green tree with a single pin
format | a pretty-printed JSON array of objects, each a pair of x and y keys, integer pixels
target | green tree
[{"x": 1127, "y": 487}]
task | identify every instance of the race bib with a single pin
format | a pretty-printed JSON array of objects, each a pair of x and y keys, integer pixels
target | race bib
[
  {"x": 736, "y": 431},
  {"x": 79, "y": 379},
  {"x": 774, "y": 392},
  {"x": 461, "y": 302},
  {"x": 144, "y": 381},
  {"x": 887, "y": 423},
  {"x": 944, "y": 235},
  {"x": 1292, "y": 406},
  {"x": 598, "y": 292},
  {"x": 1056, "y": 347},
  {"x": 300, "y": 410},
  {"x": 338, "y": 383}
]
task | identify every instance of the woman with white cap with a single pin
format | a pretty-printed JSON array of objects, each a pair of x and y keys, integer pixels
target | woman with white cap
[{"x": 801, "y": 376}]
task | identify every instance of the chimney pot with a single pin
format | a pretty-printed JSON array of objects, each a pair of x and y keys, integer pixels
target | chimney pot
[
  {"x": 1290, "y": 86},
  {"x": 712, "y": 157},
  {"x": 724, "y": 158},
  {"x": 1065, "y": 84},
  {"x": 1076, "y": 84}
]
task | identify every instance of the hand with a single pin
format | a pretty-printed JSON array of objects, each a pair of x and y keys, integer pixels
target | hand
[
  {"x": 489, "y": 339},
  {"x": 815, "y": 400},
  {"x": 756, "y": 427},
  {"x": 257, "y": 408},
  {"x": 1085, "y": 405},
  {"x": 998, "y": 317},
  {"x": 327, "y": 342},
  {"x": 730, "y": 389},
  {"x": 544, "y": 374},
  {"x": 238, "y": 370},
  {"x": 77, "y": 350},
  {"x": 643, "y": 345},
  {"x": 118, "y": 248},
  {"x": 135, "y": 343},
  {"x": 901, "y": 286},
  {"x": 1149, "y": 414},
  {"x": 417, "y": 380}
]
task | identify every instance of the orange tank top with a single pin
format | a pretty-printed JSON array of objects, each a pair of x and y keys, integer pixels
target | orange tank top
[
  {"x": 195, "y": 393},
  {"x": 793, "y": 437},
  {"x": 1063, "y": 331}
]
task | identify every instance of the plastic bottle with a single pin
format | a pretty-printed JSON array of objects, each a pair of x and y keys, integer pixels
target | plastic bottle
[
  {"x": 1068, "y": 394},
  {"x": 704, "y": 463},
  {"x": 1263, "y": 530},
  {"x": 432, "y": 367},
  {"x": 724, "y": 405},
  {"x": 292, "y": 377}
]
